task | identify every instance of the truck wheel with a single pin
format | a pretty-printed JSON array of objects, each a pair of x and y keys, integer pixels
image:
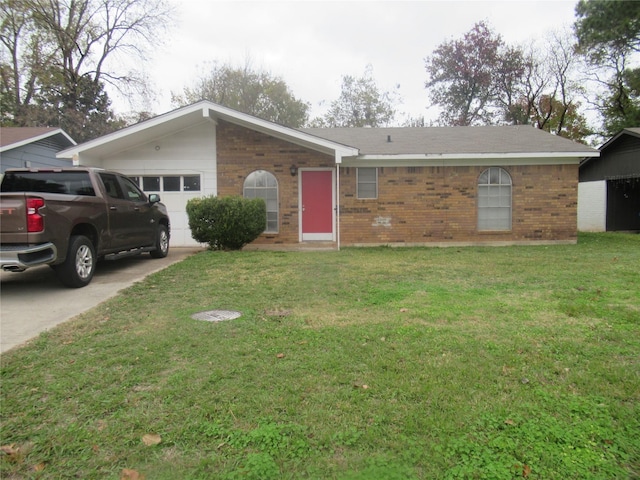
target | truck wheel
[
  {"x": 80, "y": 264},
  {"x": 162, "y": 243}
]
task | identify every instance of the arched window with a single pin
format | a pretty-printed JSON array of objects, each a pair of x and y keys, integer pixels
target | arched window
[
  {"x": 262, "y": 184},
  {"x": 494, "y": 199}
]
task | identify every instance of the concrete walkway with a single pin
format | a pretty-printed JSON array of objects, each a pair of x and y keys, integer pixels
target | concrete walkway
[{"x": 34, "y": 301}]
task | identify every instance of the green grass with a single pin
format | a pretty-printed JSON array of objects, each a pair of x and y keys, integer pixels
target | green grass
[{"x": 361, "y": 364}]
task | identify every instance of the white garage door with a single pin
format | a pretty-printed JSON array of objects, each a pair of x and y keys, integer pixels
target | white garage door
[{"x": 175, "y": 190}]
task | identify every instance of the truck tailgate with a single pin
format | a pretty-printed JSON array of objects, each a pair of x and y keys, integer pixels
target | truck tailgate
[{"x": 13, "y": 215}]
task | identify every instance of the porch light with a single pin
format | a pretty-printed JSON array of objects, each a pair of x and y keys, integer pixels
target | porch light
[{"x": 293, "y": 170}]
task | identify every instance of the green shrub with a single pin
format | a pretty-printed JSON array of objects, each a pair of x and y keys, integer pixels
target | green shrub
[{"x": 226, "y": 223}]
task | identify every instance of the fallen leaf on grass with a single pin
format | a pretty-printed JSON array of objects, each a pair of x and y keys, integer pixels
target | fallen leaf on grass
[
  {"x": 508, "y": 421},
  {"x": 280, "y": 355},
  {"x": 10, "y": 450},
  {"x": 39, "y": 467},
  {"x": 151, "y": 439},
  {"x": 16, "y": 453},
  {"x": 403, "y": 310},
  {"x": 128, "y": 474}
]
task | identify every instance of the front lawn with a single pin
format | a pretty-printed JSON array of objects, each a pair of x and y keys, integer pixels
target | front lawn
[{"x": 415, "y": 363}]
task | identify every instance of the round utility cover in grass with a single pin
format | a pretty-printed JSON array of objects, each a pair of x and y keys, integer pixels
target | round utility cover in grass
[{"x": 216, "y": 315}]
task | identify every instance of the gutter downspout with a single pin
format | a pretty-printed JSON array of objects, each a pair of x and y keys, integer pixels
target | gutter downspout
[{"x": 338, "y": 162}]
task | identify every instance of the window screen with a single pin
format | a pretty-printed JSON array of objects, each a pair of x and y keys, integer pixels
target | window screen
[{"x": 367, "y": 182}]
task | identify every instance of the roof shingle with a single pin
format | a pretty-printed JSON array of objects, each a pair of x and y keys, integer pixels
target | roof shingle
[
  {"x": 450, "y": 140},
  {"x": 11, "y": 135}
]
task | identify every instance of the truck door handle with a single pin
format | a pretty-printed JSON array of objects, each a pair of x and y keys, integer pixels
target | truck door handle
[{"x": 113, "y": 208}]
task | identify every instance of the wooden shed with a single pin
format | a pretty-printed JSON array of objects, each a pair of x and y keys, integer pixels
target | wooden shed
[{"x": 609, "y": 189}]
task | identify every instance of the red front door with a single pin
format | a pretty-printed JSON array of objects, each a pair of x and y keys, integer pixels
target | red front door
[{"x": 317, "y": 205}]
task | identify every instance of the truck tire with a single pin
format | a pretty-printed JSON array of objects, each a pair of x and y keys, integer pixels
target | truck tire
[
  {"x": 80, "y": 264},
  {"x": 162, "y": 243}
]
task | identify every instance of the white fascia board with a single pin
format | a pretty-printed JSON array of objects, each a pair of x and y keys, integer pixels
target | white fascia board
[
  {"x": 209, "y": 111},
  {"x": 466, "y": 160},
  {"x": 27, "y": 141},
  {"x": 133, "y": 130}
]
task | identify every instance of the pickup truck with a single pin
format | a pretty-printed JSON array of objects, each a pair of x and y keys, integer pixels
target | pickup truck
[{"x": 70, "y": 218}]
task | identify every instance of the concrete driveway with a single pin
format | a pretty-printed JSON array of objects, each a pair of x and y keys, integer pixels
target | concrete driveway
[{"x": 34, "y": 301}]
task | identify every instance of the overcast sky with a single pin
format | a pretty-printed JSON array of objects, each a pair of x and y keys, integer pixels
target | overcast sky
[{"x": 312, "y": 44}]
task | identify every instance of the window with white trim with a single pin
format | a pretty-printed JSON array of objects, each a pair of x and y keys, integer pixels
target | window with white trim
[
  {"x": 168, "y": 183},
  {"x": 367, "y": 182},
  {"x": 262, "y": 184},
  {"x": 494, "y": 200}
]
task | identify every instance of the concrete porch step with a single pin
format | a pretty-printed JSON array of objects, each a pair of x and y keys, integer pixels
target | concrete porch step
[{"x": 295, "y": 247}]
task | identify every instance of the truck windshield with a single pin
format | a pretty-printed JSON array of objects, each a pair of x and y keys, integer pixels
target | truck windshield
[{"x": 70, "y": 183}]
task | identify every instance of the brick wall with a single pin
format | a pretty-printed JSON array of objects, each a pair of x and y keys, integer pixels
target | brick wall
[
  {"x": 242, "y": 151},
  {"x": 439, "y": 204},
  {"x": 415, "y": 204}
]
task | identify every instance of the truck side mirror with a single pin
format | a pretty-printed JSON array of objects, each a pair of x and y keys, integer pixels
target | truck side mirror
[{"x": 154, "y": 198}]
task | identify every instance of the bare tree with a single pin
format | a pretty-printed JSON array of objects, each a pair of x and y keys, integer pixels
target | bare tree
[
  {"x": 58, "y": 55},
  {"x": 553, "y": 91}
]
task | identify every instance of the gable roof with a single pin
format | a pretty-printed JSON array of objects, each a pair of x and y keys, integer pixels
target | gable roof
[
  {"x": 513, "y": 143},
  {"x": 14, "y": 137},
  {"x": 634, "y": 132},
  {"x": 191, "y": 115},
  {"x": 454, "y": 142}
]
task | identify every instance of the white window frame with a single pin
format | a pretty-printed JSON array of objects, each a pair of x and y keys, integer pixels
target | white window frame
[
  {"x": 273, "y": 224},
  {"x": 495, "y": 201},
  {"x": 138, "y": 180}
]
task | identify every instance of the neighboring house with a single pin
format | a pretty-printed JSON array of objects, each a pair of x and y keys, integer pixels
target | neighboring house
[
  {"x": 34, "y": 147},
  {"x": 365, "y": 186},
  {"x": 609, "y": 190}
]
